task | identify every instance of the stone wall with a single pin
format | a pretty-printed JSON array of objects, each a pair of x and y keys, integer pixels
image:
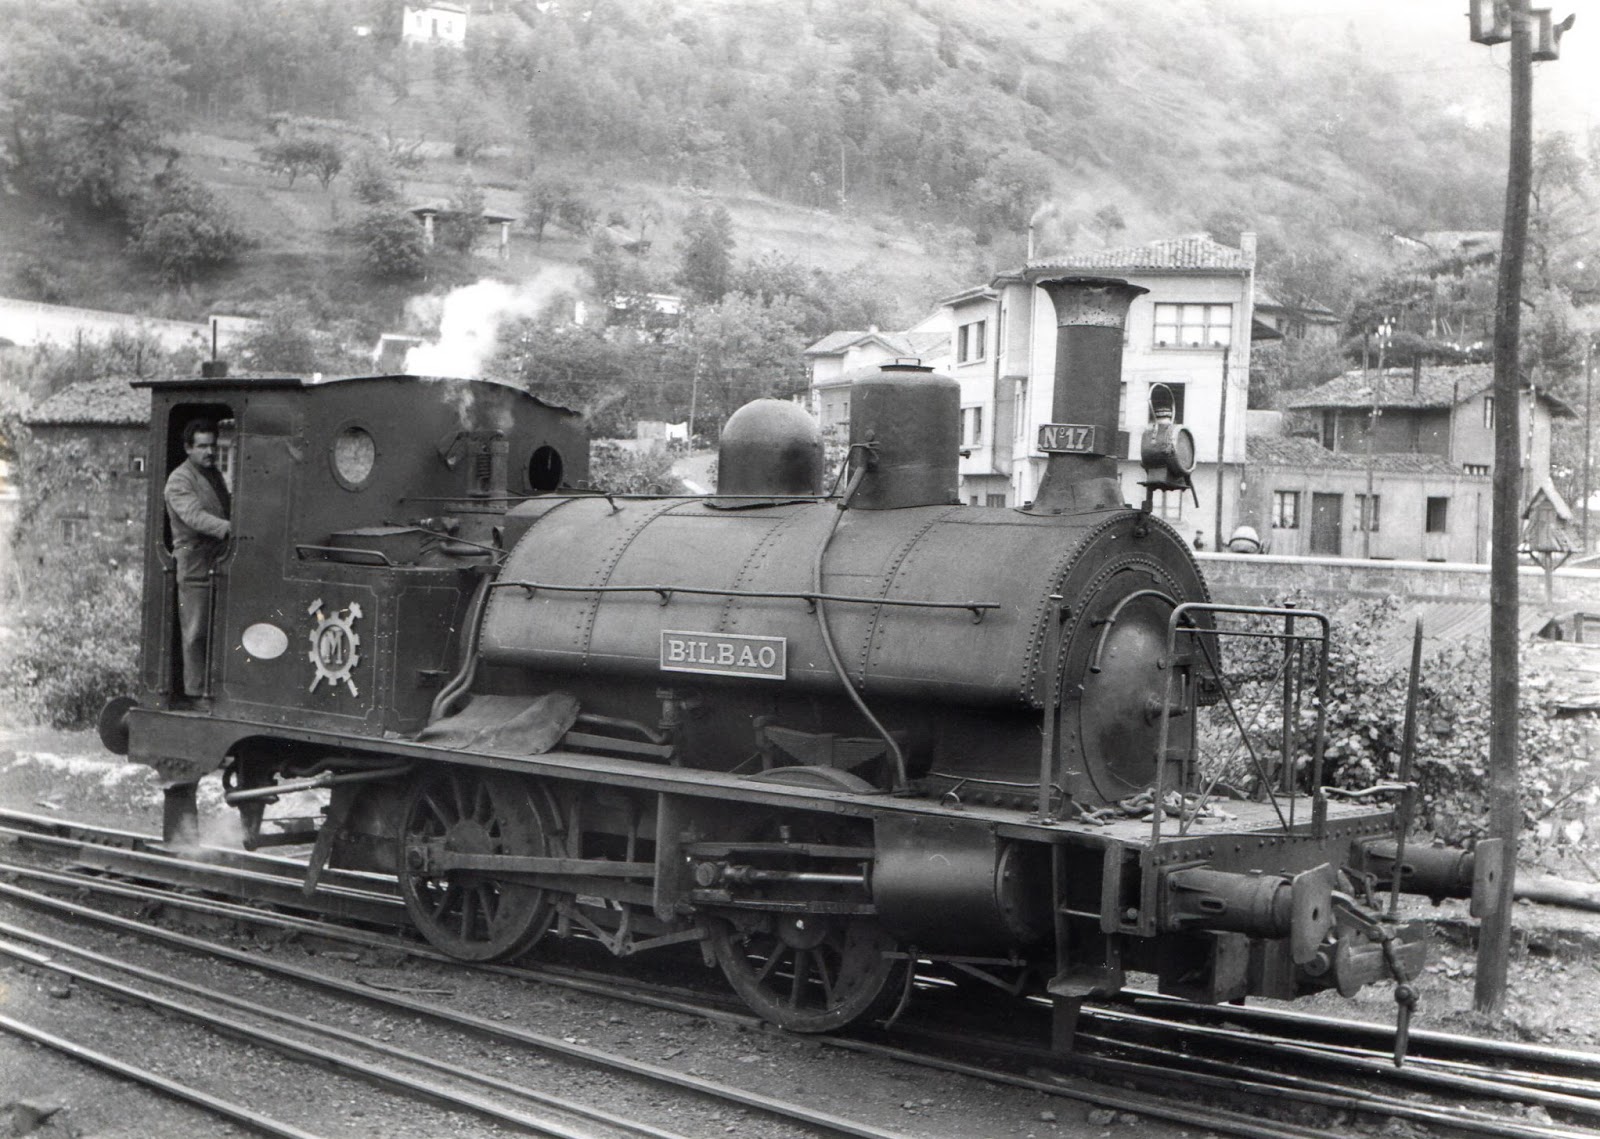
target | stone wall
[{"x": 1253, "y": 579}]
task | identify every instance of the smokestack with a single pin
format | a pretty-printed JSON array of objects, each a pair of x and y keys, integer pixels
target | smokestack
[{"x": 1081, "y": 440}]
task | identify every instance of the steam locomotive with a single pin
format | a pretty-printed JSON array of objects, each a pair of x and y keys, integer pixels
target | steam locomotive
[{"x": 829, "y": 738}]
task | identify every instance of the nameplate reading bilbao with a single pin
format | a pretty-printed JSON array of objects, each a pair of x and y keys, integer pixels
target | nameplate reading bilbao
[
  {"x": 1067, "y": 438},
  {"x": 725, "y": 654}
]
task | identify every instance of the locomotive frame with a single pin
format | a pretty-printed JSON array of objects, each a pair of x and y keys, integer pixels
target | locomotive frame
[{"x": 491, "y": 695}]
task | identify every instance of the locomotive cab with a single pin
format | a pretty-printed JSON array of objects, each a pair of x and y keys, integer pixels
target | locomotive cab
[{"x": 365, "y": 514}]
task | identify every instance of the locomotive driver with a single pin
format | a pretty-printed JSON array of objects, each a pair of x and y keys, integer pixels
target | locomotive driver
[{"x": 198, "y": 508}]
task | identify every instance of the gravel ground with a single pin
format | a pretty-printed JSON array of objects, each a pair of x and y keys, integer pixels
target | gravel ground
[{"x": 1555, "y": 986}]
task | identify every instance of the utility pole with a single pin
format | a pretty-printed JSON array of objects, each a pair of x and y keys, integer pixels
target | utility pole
[
  {"x": 1367, "y": 517},
  {"x": 1495, "y": 21},
  {"x": 1588, "y": 431},
  {"x": 1222, "y": 442}
]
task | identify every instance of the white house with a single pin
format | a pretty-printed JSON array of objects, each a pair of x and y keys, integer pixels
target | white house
[
  {"x": 1191, "y": 333},
  {"x": 437, "y": 23},
  {"x": 836, "y": 358}
]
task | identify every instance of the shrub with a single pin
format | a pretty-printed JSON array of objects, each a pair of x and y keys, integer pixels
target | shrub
[
  {"x": 374, "y": 180},
  {"x": 1365, "y": 723},
  {"x": 392, "y": 246},
  {"x": 65, "y": 680},
  {"x": 618, "y": 470},
  {"x": 74, "y": 620}
]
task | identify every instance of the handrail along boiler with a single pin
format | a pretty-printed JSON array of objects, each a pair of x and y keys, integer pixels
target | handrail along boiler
[{"x": 825, "y": 737}]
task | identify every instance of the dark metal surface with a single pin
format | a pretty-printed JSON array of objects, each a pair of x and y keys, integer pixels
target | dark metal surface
[
  {"x": 952, "y": 886},
  {"x": 770, "y": 447},
  {"x": 905, "y": 430}
]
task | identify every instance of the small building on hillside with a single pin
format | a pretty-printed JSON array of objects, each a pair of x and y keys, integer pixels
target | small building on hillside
[
  {"x": 440, "y": 23},
  {"x": 431, "y": 214},
  {"x": 81, "y": 475},
  {"x": 1400, "y": 466}
]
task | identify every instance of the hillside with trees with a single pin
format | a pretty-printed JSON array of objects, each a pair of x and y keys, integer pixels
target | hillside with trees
[{"x": 786, "y": 168}]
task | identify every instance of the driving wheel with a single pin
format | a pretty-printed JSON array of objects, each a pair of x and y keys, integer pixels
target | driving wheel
[
  {"x": 810, "y": 972},
  {"x": 470, "y": 914}
]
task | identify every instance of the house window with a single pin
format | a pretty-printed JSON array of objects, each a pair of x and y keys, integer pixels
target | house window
[
  {"x": 972, "y": 500},
  {"x": 1193, "y": 326},
  {"x": 1475, "y": 468},
  {"x": 994, "y": 499},
  {"x": 136, "y": 464},
  {"x": 1367, "y": 511},
  {"x": 74, "y": 528},
  {"x": 1170, "y": 506},
  {"x": 1438, "y": 515},
  {"x": 1488, "y": 413},
  {"x": 972, "y": 426},
  {"x": 1286, "y": 510},
  {"x": 969, "y": 341}
]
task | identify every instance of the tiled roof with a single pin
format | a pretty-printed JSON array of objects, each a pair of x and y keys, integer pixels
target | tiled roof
[
  {"x": 837, "y": 342},
  {"x": 1447, "y": 623},
  {"x": 1308, "y": 308},
  {"x": 1440, "y": 386},
  {"x": 107, "y": 402},
  {"x": 1308, "y": 454},
  {"x": 1198, "y": 252},
  {"x": 925, "y": 344}
]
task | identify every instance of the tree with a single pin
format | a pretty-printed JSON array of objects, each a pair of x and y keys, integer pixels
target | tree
[
  {"x": 391, "y": 243},
  {"x": 731, "y": 352},
  {"x": 541, "y": 198},
  {"x": 84, "y": 104},
  {"x": 1108, "y": 220},
  {"x": 293, "y": 156},
  {"x": 610, "y": 379},
  {"x": 182, "y": 229},
  {"x": 288, "y": 341},
  {"x": 1014, "y": 181},
  {"x": 1563, "y": 235},
  {"x": 575, "y": 214},
  {"x": 373, "y": 178},
  {"x": 707, "y": 254}
]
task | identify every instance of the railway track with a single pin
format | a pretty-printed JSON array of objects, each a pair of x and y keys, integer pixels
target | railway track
[{"x": 1264, "y": 1057}]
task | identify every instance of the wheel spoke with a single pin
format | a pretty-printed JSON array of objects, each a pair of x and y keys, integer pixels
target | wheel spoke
[
  {"x": 443, "y": 903},
  {"x": 458, "y": 793},
  {"x": 828, "y": 994},
  {"x": 774, "y": 955},
  {"x": 797, "y": 980},
  {"x": 432, "y": 804},
  {"x": 483, "y": 807}
]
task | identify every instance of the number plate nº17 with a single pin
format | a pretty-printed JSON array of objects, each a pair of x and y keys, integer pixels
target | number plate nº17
[{"x": 1067, "y": 438}]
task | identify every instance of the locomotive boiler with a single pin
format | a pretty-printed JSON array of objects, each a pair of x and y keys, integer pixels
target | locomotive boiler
[{"x": 827, "y": 737}]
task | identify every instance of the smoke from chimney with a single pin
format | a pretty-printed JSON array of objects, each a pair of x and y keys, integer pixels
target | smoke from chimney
[{"x": 470, "y": 318}]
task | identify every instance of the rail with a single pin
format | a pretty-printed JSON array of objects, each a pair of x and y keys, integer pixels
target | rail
[{"x": 665, "y": 593}]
